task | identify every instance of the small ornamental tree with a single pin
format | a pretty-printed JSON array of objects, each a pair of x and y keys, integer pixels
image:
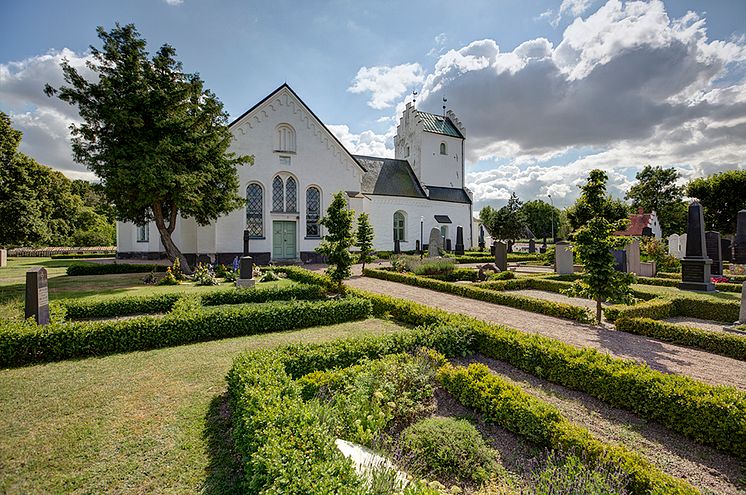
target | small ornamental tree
[
  {"x": 153, "y": 134},
  {"x": 338, "y": 240},
  {"x": 364, "y": 239},
  {"x": 594, "y": 245}
]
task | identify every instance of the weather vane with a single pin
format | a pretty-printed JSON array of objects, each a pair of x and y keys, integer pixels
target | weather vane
[
  {"x": 444, "y": 106},
  {"x": 414, "y": 96}
]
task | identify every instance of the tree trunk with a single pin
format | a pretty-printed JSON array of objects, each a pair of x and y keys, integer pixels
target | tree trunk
[
  {"x": 598, "y": 311},
  {"x": 172, "y": 251}
]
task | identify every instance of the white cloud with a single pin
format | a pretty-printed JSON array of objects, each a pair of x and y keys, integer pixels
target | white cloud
[
  {"x": 174, "y": 2},
  {"x": 386, "y": 84},
  {"x": 366, "y": 143}
]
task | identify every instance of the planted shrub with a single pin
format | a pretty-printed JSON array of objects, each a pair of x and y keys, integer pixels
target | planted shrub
[
  {"x": 572, "y": 475},
  {"x": 109, "y": 307},
  {"x": 436, "y": 266},
  {"x": 450, "y": 449},
  {"x": 203, "y": 275},
  {"x": 502, "y": 276}
]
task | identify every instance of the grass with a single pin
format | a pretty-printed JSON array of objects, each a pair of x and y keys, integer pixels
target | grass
[
  {"x": 13, "y": 279},
  {"x": 143, "y": 422}
]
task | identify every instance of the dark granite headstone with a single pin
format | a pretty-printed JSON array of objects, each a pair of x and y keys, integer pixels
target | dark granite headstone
[
  {"x": 459, "y": 240},
  {"x": 739, "y": 244},
  {"x": 501, "y": 256},
  {"x": 620, "y": 260},
  {"x": 492, "y": 248},
  {"x": 37, "y": 295},
  {"x": 695, "y": 266},
  {"x": 397, "y": 246},
  {"x": 246, "y": 272},
  {"x": 510, "y": 246},
  {"x": 714, "y": 252},
  {"x": 726, "y": 250},
  {"x": 417, "y": 245},
  {"x": 448, "y": 245},
  {"x": 481, "y": 238},
  {"x": 531, "y": 246},
  {"x": 246, "y": 237}
]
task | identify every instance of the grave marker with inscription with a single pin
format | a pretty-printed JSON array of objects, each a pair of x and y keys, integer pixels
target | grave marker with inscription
[
  {"x": 695, "y": 266},
  {"x": 246, "y": 273},
  {"x": 37, "y": 295}
]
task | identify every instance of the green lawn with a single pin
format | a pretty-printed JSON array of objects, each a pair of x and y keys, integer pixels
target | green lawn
[
  {"x": 13, "y": 279},
  {"x": 142, "y": 422}
]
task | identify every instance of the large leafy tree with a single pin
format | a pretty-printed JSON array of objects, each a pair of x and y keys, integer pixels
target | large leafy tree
[
  {"x": 722, "y": 197},
  {"x": 656, "y": 190},
  {"x": 593, "y": 246},
  {"x": 538, "y": 216},
  {"x": 338, "y": 240},
  {"x": 506, "y": 223},
  {"x": 580, "y": 213},
  {"x": 157, "y": 139}
]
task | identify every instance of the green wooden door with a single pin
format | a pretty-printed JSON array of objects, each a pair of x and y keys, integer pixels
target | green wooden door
[{"x": 283, "y": 240}]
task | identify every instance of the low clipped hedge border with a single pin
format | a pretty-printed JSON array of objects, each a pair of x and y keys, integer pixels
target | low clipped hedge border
[
  {"x": 77, "y": 269},
  {"x": 669, "y": 282},
  {"x": 526, "y": 303},
  {"x": 512, "y": 408},
  {"x": 24, "y": 343},
  {"x": 661, "y": 308},
  {"x": 162, "y": 303},
  {"x": 723, "y": 343}
]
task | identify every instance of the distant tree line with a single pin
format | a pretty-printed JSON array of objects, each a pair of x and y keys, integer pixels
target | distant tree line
[{"x": 41, "y": 207}]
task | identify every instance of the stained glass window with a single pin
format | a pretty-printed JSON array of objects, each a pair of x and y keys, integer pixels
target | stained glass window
[
  {"x": 254, "y": 205},
  {"x": 278, "y": 194},
  {"x": 313, "y": 212},
  {"x": 291, "y": 195},
  {"x": 399, "y": 226}
]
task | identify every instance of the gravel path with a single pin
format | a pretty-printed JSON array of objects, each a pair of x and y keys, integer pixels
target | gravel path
[
  {"x": 661, "y": 356},
  {"x": 702, "y": 466},
  {"x": 712, "y": 326}
]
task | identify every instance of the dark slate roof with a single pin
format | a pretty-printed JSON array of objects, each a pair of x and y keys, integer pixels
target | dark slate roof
[
  {"x": 389, "y": 177},
  {"x": 438, "y": 124},
  {"x": 451, "y": 194}
]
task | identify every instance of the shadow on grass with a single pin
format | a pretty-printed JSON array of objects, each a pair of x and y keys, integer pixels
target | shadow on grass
[{"x": 224, "y": 474}]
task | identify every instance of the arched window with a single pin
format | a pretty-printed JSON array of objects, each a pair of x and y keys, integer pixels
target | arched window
[
  {"x": 285, "y": 138},
  {"x": 400, "y": 226},
  {"x": 254, "y": 210},
  {"x": 443, "y": 150},
  {"x": 278, "y": 194},
  {"x": 291, "y": 195},
  {"x": 313, "y": 212}
]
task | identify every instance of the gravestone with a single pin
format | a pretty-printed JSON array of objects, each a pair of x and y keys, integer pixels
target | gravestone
[
  {"x": 447, "y": 243},
  {"x": 742, "y": 313},
  {"x": 510, "y": 246},
  {"x": 674, "y": 245},
  {"x": 620, "y": 260},
  {"x": 459, "y": 240},
  {"x": 695, "y": 266},
  {"x": 434, "y": 245},
  {"x": 246, "y": 272},
  {"x": 501, "y": 256},
  {"x": 726, "y": 250},
  {"x": 397, "y": 246},
  {"x": 714, "y": 252},
  {"x": 417, "y": 245},
  {"x": 682, "y": 245},
  {"x": 632, "y": 251},
  {"x": 563, "y": 258},
  {"x": 543, "y": 248},
  {"x": 492, "y": 248},
  {"x": 531, "y": 246},
  {"x": 481, "y": 238},
  {"x": 3, "y": 258},
  {"x": 739, "y": 244},
  {"x": 37, "y": 295}
]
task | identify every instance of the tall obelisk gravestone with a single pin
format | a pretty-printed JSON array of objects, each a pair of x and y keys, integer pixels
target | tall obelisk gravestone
[
  {"x": 739, "y": 245},
  {"x": 37, "y": 295},
  {"x": 695, "y": 265}
]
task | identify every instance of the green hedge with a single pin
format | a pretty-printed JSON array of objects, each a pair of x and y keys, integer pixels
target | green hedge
[
  {"x": 27, "y": 342},
  {"x": 670, "y": 282},
  {"x": 74, "y": 256},
  {"x": 656, "y": 309},
  {"x": 111, "y": 268},
  {"x": 723, "y": 343},
  {"x": 510, "y": 407},
  {"x": 305, "y": 276},
  {"x": 457, "y": 275},
  {"x": 533, "y": 304},
  {"x": 707, "y": 309},
  {"x": 712, "y": 415},
  {"x": 100, "y": 307}
]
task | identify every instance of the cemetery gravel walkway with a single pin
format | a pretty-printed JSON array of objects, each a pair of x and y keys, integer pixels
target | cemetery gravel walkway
[{"x": 661, "y": 356}]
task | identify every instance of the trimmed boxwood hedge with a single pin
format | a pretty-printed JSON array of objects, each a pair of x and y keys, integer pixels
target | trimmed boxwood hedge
[
  {"x": 111, "y": 268},
  {"x": 526, "y": 303},
  {"x": 510, "y": 407},
  {"x": 656, "y": 309},
  {"x": 669, "y": 282},
  {"x": 108, "y": 307},
  {"x": 723, "y": 343},
  {"x": 26, "y": 342}
]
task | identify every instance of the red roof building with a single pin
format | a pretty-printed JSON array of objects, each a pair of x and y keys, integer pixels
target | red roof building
[{"x": 642, "y": 224}]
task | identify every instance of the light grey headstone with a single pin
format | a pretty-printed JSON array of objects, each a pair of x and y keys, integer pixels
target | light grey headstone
[
  {"x": 633, "y": 257},
  {"x": 3, "y": 258},
  {"x": 674, "y": 246},
  {"x": 501, "y": 256},
  {"x": 563, "y": 258},
  {"x": 682, "y": 245},
  {"x": 742, "y": 314},
  {"x": 435, "y": 243},
  {"x": 37, "y": 295}
]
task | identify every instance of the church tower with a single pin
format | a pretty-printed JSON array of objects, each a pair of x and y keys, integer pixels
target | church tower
[{"x": 433, "y": 145}]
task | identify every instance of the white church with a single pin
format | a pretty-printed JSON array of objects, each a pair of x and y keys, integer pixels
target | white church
[{"x": 299, "y": 165}]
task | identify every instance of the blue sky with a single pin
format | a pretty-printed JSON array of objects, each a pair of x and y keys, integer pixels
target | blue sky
[{"x": 518, "y": 74}]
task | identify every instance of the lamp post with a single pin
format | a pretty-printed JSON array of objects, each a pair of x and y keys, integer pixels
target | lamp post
[
  {"x": 552, "y": 202},
  {"x": 422, "y": 227}
]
